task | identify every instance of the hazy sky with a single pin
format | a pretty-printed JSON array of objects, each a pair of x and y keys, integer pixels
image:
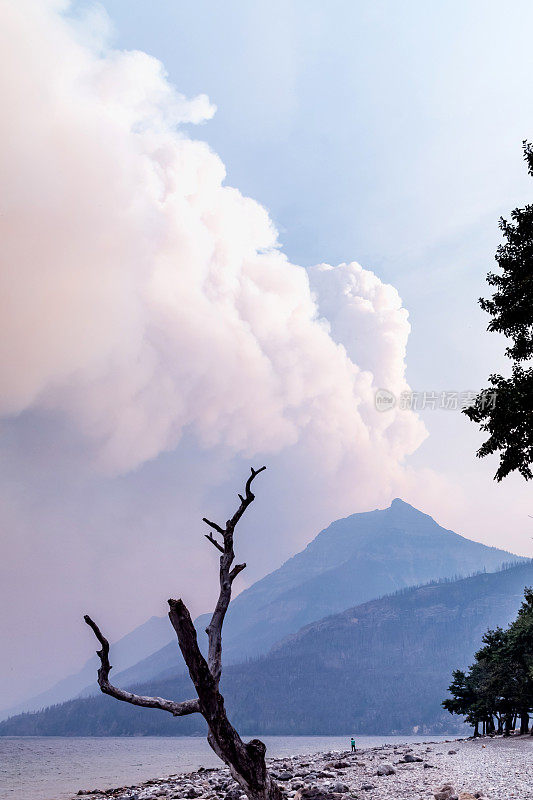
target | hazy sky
[{"x": 160, "y": 332}]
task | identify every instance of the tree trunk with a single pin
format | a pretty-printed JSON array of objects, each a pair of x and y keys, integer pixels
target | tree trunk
[
  {"x": 476, "y": 729},
  {"x": 524, "y": 723},
  {"x": 246, "y": 761},
  {"x": 508, "y": 724},
  {"x": 247, "y": 765}
]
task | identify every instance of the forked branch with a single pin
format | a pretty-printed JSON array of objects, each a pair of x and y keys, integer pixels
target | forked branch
[
  {"x": 226, "y": 577},
  {"x": 245, "y": 760},
  {"x": 177, "y": 709},
  {"x": 214, "y": 541}
]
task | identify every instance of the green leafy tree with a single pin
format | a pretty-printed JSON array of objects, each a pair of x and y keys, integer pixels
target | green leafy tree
[
  {"x": 496, "y": 668},
  {"x": 464, "y": 699},
  {"x": 499, "y": 685},
  {"x": 520, "y": 654},
  {"x": 505, "y": 409}
]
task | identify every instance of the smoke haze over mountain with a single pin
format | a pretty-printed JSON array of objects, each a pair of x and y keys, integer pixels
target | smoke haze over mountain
[
  {"x": 161, "y": 330},
  {"x": 149, "y": 309}
]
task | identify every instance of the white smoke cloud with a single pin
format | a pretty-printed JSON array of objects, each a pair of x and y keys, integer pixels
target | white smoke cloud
[
  {"x": 144, "y": 297},
  {"x": 148, "y": 307},
  {"x": 367, "y": 317}
]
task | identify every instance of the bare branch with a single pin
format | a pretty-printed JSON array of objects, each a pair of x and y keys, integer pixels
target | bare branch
[
  {"x": 248, "y": 498},
  {"x": 214, "y": 541},
  {"x": 177, "y": 709},
  {"x": 188, "y": 641},
  {"x": 227, "y": 576},
  {"x": 235, "y": 571},
  {"x": 213, "y": 525}
]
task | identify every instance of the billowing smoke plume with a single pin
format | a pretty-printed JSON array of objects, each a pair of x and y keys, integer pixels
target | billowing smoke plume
[
  {"x": 149, "y": 309},
  {"x": 144, "y": 297}
]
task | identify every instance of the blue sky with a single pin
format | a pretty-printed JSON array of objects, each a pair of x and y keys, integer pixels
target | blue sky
[{"x": 380, "y": 132}]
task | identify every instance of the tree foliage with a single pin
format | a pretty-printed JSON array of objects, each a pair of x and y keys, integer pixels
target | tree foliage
[
  {"x": 505, "y": 409},
  {"x": 498, "y": 689}
]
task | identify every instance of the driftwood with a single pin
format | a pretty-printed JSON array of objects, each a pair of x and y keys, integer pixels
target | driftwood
[{"x": 245, "y": 760}]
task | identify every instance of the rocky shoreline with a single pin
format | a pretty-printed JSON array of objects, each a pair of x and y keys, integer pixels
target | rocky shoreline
[{"x": 465, "y": 769}]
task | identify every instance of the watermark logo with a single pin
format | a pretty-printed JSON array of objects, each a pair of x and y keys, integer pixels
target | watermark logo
[{"x": 384, "y": 400}]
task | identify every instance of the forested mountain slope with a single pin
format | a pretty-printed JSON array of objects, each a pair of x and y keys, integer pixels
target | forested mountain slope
[
  {"x": 355, "y": 559},
  {"x": 381, "y": 667}
]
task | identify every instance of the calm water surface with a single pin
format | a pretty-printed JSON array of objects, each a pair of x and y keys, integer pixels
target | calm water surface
[{"x": 54, "y": 768}]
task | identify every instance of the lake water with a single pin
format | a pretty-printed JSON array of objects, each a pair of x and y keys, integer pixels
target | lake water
[{"x": 54, "y": 768}]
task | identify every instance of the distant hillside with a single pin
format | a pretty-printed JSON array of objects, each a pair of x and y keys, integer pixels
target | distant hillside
[
  {"x": 144, "y": 640},
  {"x": 355, "y": 559},
  {"x": 381, "y": 667}
]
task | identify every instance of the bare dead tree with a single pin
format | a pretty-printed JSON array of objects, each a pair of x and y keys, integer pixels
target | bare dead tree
[{"x": 245, "y": 760}]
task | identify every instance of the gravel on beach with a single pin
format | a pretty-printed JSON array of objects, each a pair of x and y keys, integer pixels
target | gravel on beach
[{"x": 493, "y": 769}]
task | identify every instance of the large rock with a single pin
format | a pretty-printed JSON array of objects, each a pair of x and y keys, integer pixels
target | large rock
[
  {"x": 446, "y": 792},
  {"x": 386, "y": 769},
  {"x": 339, "y": 788},
  {"x": 315, "y": 793}
]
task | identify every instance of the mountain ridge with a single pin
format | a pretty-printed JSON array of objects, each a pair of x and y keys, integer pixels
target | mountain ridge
[
  {"x": 381, "y": 667},
  {"x": 356, "y": 558}
]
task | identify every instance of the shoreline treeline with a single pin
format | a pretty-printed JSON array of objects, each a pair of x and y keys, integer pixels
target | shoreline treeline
[{"x": 497, "y": 692}]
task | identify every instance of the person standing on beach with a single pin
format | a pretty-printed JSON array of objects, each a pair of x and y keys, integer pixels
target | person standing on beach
[{"x": 353, "y": 744}]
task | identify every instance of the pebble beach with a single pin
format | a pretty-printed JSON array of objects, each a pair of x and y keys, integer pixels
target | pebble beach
[{"x": 471, "y": 769}]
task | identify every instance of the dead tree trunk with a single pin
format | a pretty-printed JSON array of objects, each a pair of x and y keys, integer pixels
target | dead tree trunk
[{"x": 245, "y": 760}]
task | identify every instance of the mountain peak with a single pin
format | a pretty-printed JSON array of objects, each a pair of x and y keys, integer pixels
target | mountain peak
[{"x": 400, "y": 504}]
